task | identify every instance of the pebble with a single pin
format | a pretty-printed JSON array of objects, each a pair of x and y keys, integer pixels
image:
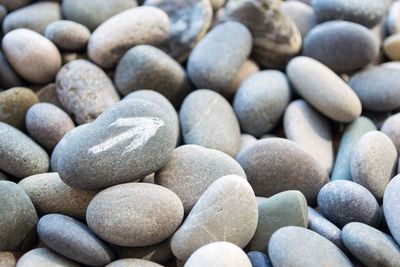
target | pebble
[
  {"x": 19, "y": 155},
  {"x": 7, "y": 259},
  {"x": 371, "y": 246},
  {"x": 207, "y": 119},
  {"x": 44, "y": 257},
  {"x": 145, "y": 66},
  {"x": 350, "y": 137},
  {"x": 189, "y": 21},
  {"x": 219, "y": 215},
  {"x": 365, "y": 12},
  {"x": 50, "y": 195},
  {"x": 84, "y": 90},
  {"x": 273, "y": 165},
  {"x": 377, "y": 88},
  {"x": 308, "y": 128},
  {"x": 391, "y": 46},
  {"x": 353, "y": 47},
  {"x": 261, "y": 100},
  {"x": 48, "y": 94},
  {"x": 374, "y": 162},
  {"x": 47, "y": 124},
  {"x": 217, "y": 58},
  {"x": 121, "y": 214},
  {"x": 18, "y": 218},
  {"x": 393, "y": 18},
  {"x": 391, "y": 207},
  {"x": 92, "y": 13},
  {"x": 323, "y": 89},
  {"x": 34, "y": 17},
  {"x": 105, "y": 153},
  {"x": 68, "y": 35},
  {"x": 303, "y": 247},
  {"x": 14, "y": 104},
  {"x": 191, "y": 169},
  {"x": 8, "y": 77},
  {"x": 391, "y": 128},
  {"x": 343, "y": 201},
  {"x": 159, "y": 253},
  {"x": 14, "y": 4},
  {"x": 259, "y": 259},
  {"x": 115, "y": 36},
  {"x": 217, "y": 4},
  {"x": 132, "y": 263},
  {"x": 302, "y": 14},
  {"x": 246, "y": 140},
  {"x": 73, "y": 240},
  {"x": 219, "y": 254},
  {"x": 283, "y": 209}
]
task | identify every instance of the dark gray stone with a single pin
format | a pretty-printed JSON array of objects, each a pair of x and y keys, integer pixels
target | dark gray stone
[
  {"x": 302, "y": 14},
  {"x": 391, "y": 207},
  {"x": 8, "y": 77},
  {"x": 391, "y": 127},
  {"x": 73, "y": 240},
  {"x": 216, "y": 59},
  {"x": 259, "y": 259},
  {"x": 44, "y": 257},
  {"x": 393, "y": 18},
  {"x": 341, "y": 45},
  {"x": 344, "y": 201},
  {"x": 68, "y": 35},
  {"x": 14, "y": 4}
]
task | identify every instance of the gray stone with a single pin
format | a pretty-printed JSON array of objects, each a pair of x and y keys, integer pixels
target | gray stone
[
  {"x": 147, "y": 67},
  {"x": 19, "y": 155},
  {"x": 341, "y": 45},
  {"x": 44, "y": 257},
  {"x": 47, "y": 124},
  {"x": 189, "y": 21},
  {"x": 217, "y": 58},
  {"x": 308, "y": 128},
  {"x": 208, "y": 120},
  {"x": 132, "y": 263},
  {"x": 350, "y": 137},
  {"x": 391, "y": 207},
  {"x": 371, "y": 246},
  {"x": 261, "y": 100},
  {"x": 14, "y": 4},
  {"x": 343, "y": 201},
  {"x": 259, "y": 259},
  {"x": 374, "y": 162},
  {"x": 365, "y": 12},
  {"x": 323, "y": 89},
  {"x": 73, "y": 240},
  {"x": 121, "y": 214},
  {"x": 283, "y": 209},
  {"x": 393, "y": 18},
  {"x": 302, "y": 14},
  {"x": 35, "y": 17},
  {"x": 274, "y": 165},
  {"x": 68, "y": 35},
  {"x": 50, "y": 195},
  {"x": 159, "y": 253},
  {"x": 8, "y": 77},
  {"x": 219, "y": 215},
  {"x": 391, "y": 127},
  {"x": 377, "y": 88},
  {"x": 246, "y": 140},
  {"x": 84, "y": 90},
  {"x": 18, "y": 218},
  {"x": 297, "y": 246},
  {"x": 7, "y": 259}
]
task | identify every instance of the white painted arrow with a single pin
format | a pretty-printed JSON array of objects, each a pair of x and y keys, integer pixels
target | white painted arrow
[{"x": 142, "y": 129}]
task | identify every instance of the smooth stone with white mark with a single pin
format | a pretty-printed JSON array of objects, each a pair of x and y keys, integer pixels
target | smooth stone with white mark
[
  {"x": 68, "y": 35},
  {"x": 391, "y": 46},
  {"x": 44, "y": 257},
  {"x": 259, "y": 259},
  {"x": 132, "y": 263},
  {"x": 302, "y": 14},
  {"x": 391, "y": 207},
  {"x": 391, "y": 127}
]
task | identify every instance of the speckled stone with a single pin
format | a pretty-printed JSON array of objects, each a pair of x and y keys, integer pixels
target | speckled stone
[
  {"x": 393, "y": 18},
  {"x": 391, "y": 46},
  {"x": 283, "y": 209},
  {"x": 14, "y": 4},
  {"x": 120, "y": 214},
  {"x": 391, "y": 207},
  {"x": 217, "y": 58},
  {"x": 44, "y": 257},
  {"x": 246, "y": 140},
  {"x": 132, "y": 263},
  {"x": 68, "y": 35},
  {"x": 371, "y": 246},
  {"x": 145, "y": 66},
  {"x": 391, "y": 127},
  {"x": 323, "y": 89},
  {"x": 308, "y": 128},
  {"x": 350, "y": 137},
  {"x": 261, "y": 100},
  {"x": 343, "y": 201},
  {"x": 219, "y": 215},
  {"x": 341, "y": 45},
  {"x": 189, "y": 22},
  {"x": 8, "y": 77},
  {"x": 297, "y": 246},
  {"x": 219, "y": 254},
  {"x": 73, "y": 240},
  {"x": 14, "y": 104},
  {"x": 7, "y": 259},
  {"x": 207, "y": 119},
  {"x": 377, "y": 88},
  {"x": 191, "y": 169},
  {"x": 259, "y": 259},
  {"x": 274, "y": 165},
  {"x": 19, "y": 155},
  {"x": 50, "y": 195},
  {"x": 302, "y": 14},
  {"x": 159, "y": 253}
]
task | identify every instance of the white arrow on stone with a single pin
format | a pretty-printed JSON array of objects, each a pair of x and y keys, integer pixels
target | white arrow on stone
[{"x": 142, "y": 129}]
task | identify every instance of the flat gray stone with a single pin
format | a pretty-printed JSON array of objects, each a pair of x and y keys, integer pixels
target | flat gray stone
[
  {"x": 391, "y": 207},
  {"x": 68, "y": 35},
  {"x": 44, "y": 257}
]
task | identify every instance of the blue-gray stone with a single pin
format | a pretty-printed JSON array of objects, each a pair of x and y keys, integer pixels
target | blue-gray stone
[
  {"x": 259, "y": 259},
  {"x": 302, "y": 14},
  {"x": 391, "y": 207}
]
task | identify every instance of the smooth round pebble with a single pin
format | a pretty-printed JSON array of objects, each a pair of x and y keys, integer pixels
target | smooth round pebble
[
  {"x": 391, "y": 46},
  {"x": 302, "y": 14},
  {"x": 391, "y": 127},
  {"x": 159, "y": 253},
  {"x": 8, "y": 77},
  {"x": 68, "y": 35},
  {"x": 259, "y": 259},
  {"x": 14, "y": 4},
  {"x": 44, "y": 257},
  {"x": 246, "y": 140},
  {"x": 393, "y": 18},
  {"x": 391, "y": 207}
]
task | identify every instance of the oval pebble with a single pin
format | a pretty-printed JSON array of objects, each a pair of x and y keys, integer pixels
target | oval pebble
[
  {"x": 352, "y": 47},
  {"x": 208, "y": 120},
  {"x": 391, "y": 207},
  {"x": 8, "y": 77},
  {"x": 132, "y": 263},
  {"x": 44, "y": 257},
  {"x": 302, "y": 14},
  {"x": 323, "y": 89},
  {"x": 304, "y": 247},
  {"x": 68, "y": 35},
  {"x": 259, "y": 259},
  {"x": 343, "y": 201},
  {"x": 391, "y": 127},
  {"x": 140, "y": 25},
  {"x": 33, "y": 56},
  {"x": 219, "y": 215},
  {"x": 391, "y": 46}
]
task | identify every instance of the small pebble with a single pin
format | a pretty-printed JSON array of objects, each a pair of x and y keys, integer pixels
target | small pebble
[
  {"x": 391, "y": 46},
  {"x": 259, "y": 259},
  {"x": 391, "y": 127},
  {"x": 44, "y": 257},
  {"x": 68, "y": 35},
  {"x": 391, "y": 207},
  {"x": 302, "y": 14}
]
